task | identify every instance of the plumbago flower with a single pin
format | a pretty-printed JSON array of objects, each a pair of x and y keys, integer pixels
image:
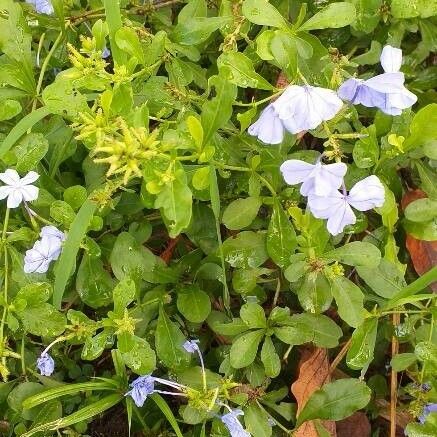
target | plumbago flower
[
  {"x": 268, "y": 128},
  {"x": 44, "y": 251},
  {"x": 336, "y": 206},
  {"x": 385, "y": 91},
  {"x": 45, "y": 364},
  {"x": 427, "y": 410},
  {"x": 233, "y": 425},
  {"x": 42, "y": 6},
  {"x": 317, "y": 178},
  {"x": 17, "y": 189},
  {"x": 302, "y": 108}
]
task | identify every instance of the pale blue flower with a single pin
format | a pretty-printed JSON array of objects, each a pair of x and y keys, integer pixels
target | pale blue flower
[
  {"x": 233, "y": 424},
  {"x": 142, "y": 387},
  {"x": 385, "y": 91},
  {"x": 45, "y": 364},
  {"x": 268, "y": 128},
  {"x": 301, "y": 108},
  {"x": 106, "y": 53},
  {"x": 427, "y": 410},
  {"x": 315, "y": 178},
  {"x": 42, "y": 6},
  {"x": 17, "y": 189},
  {"x": 44, "y": 251},
  {"x": 336, "y": 206},
  {"x": 191, "y": 346}
]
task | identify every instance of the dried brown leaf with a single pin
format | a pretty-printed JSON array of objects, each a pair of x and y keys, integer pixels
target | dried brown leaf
[
  {"x": 357, "y": 425},
  {"x": 313, "y": 374}
]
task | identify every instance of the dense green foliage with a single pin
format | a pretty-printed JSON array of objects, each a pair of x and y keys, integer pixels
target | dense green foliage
[{"x": 179, "y": 224}]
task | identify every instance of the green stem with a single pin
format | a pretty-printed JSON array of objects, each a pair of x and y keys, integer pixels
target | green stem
[
  {"x": 260, "y": 102},
  {"x": 44, "y": 68},
  {"x": 431, "y": 332}
]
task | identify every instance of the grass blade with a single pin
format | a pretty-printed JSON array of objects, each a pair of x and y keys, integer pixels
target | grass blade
[
  {"x": 163, "y": 406},
  {"x": 67, "y": 260}
]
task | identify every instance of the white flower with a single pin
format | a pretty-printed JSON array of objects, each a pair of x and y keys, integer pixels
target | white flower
[
  {"x": 391, "y": 59},
  {"x": 42, "y": 6},
  {"x": 18, "y": 189},
  {"x": 268, "y": 128},
  {"x": 305, "y": 107},
  {"x": 336, "y": 207},
  {"x": 44, "y": 251},
  {"x": 317, "y": 178}
]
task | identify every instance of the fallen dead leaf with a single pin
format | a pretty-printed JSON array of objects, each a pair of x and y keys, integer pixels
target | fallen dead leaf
[
  {"x": 423, "y": 253},
  {"x": 357, "y": 425},
  {"x": 313, "y": 373}
]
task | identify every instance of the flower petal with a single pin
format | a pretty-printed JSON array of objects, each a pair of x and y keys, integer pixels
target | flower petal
[
  {"x": 295, "y": 171},
  {"x": 367, "y": 194},
  {"x": 342, "y": 217},
  {"x": 14, "y": 198},
  {"x": 31, "y": 177},
  {"x": 391, "y": 59},
  {"x": 325, "y": 206},
  {"x": 5, "y": 191},
  {"x": 268, "y": 128},
  {"x": 29, "y": 192},
  {"x": 329, "y": 178},
  {"x": 10, "y": 177}
]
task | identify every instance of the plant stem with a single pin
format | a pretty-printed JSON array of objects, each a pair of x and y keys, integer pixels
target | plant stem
[
  {"x": 260, "y": 102},
  {"x": 44, "y": 68},
  {"x": 393, "y": 380}
]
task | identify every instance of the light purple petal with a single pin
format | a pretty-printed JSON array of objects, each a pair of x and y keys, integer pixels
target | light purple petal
[
  {"x": 45, "y": 364},
  {"x": 367, "y": 194},
  {"x": 329, "y": 178},
  {"x": 295, "y": 171},
  {"x": 325, "y": 206},
  {"x": 340, "y": 218},
  {"x": 391, "y": 59},
  {"x": 268, "y": 128},
  {"x": 42, "y": 6},
  {"x": 142, "y": 387},
  {"x": 233, "y": 425}
]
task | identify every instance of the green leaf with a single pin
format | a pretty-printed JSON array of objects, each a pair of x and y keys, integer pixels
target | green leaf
[
  {"x": 385, "y": 280},
  {"x": 67, "y": 260},
  {"x": 21, "y": 127},
  {"x": 123, "y": 295},
  {"x": 113, "y": 20},
  {"x": 65, "y": 390},
  {"x": 175, "y": 202},
  {"x": 196, "y": 130},
  {"x": 127, "y": 40},
  {"x": 418, "y": 430},
  {"x": 256, "y": 420},
  {"x": 360, "y": 353},
  {"x": 19, "y": 394},
  {"x": 129, "y": 258},
  {"x": 244, "y": 348},
  {"x": 165, "y": 409},
  {"x": 335, "y": 401},
  {"x": 414, "y": 8},
  {"x": 423, "y": 127},
  {"x": 314, "y": 293},
  {"x": 281, "y": 237},
  {"x": 94, "y": 346},
  {"x": 193, "y": 303},
  {"x": 356, "y": 253},
  {"x": 9, "y": 109},
  {"x": 253, "y": 315},
  {"x": 237, "y": 326},
  {"x": 270, "y": 358},
  {"x": 421, "y": 210},
  {"x": 366, "y": 150},
  {"x": 241, "y": 212},
  {"x": 197, "y": 29},
  {"x": 241, "y": 71},
  {"x": 284, "y": 50},
  {"x": 43, "y": 320},
  {"x": 168, "y": 342},
  {"x": 247, "y": 249},
  {"x": 60, "y": 97},
  {"x": 217, "y": 111},
  {"x": 93, "y": 283},
  {"x": 263, "y": 13},
  {"x": 83, "y": 414},
  {"x": 401, "y": 362},
  {"x": 35, "y": 293},
  {"x": 141, "y": 358},
  {"x": 349, "y": 299},
  {"x": 194, "y": 8},
  {"x": 335, "y": 15}
]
